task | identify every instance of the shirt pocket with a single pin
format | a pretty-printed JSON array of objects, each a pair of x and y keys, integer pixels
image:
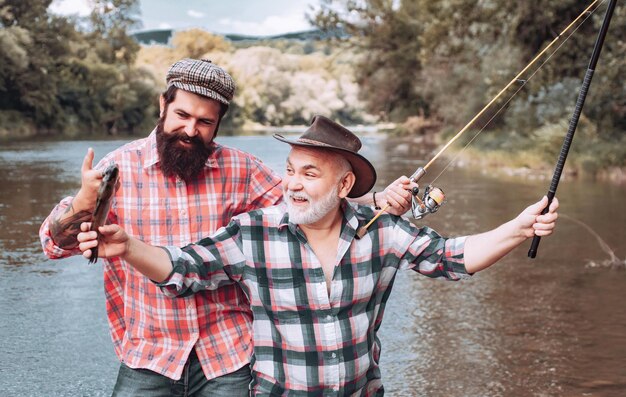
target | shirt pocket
[{"x": 283, "y": 294}]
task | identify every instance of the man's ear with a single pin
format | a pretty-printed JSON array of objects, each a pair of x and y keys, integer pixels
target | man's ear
[
  {"x": 346, "y": 184},
  {"x": 161, "y": 105}
]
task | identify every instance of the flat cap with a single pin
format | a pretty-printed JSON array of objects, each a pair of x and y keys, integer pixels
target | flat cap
[{"x": 202, "y": 77}]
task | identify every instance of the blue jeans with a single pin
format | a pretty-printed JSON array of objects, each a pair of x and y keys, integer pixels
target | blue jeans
[{"x": 143, "y": 382}]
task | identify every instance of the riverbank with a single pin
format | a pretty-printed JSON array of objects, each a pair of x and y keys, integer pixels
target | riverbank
[
  {"x": 520, "y": 164},
  {"x": 531, "y": 166}
]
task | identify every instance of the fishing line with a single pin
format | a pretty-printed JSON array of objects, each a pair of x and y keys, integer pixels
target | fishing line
[
  {"x": 523, "y": 84},
  {"x": 421, "y": 171}
]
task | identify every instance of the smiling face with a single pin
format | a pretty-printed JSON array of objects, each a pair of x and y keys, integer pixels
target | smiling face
[
  {"x": 185, "y": 133},
  {"x": 315, "y": 181}
]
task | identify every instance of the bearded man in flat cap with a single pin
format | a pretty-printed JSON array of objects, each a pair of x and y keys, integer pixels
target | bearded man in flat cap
[
  {"x": 317, "y": 287},
  {"x": 176, "y": 186}
]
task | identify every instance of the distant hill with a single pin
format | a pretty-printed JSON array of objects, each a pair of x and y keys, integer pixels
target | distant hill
[
  {"x": 163, "y": 36},
  {"x": 147, "y": 37}
]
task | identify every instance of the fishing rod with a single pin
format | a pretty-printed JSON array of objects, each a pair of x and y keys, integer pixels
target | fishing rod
[
  {"x": 434, "y": 197},
  {"x": 532, "y": 252}
]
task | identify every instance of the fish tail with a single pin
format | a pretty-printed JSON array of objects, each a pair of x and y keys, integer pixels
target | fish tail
[{"x": 94, "y": 255}]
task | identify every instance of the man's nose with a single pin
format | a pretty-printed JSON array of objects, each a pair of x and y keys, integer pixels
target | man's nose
[
  {"x": 190, "y": 128},
  {"x": 294, "y": 184}
]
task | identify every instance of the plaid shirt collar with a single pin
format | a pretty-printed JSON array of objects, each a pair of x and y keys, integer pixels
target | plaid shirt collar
[
  {"x": 348, "y": 230},
  {"x": 152, "y": 153}
]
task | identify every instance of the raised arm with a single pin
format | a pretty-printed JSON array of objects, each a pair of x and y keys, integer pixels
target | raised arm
[
  {"x": 485, "y": 249},
  {"x": 153, "y": 262},
  {"x": 65, "y": 224}
]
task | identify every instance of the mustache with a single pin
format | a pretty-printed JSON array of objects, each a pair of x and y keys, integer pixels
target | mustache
[
  {"x": 297, "y": 195},
  {"x": 175, "y": 136}
]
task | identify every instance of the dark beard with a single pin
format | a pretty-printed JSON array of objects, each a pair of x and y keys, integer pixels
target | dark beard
[{"x": 186, "y": 163}]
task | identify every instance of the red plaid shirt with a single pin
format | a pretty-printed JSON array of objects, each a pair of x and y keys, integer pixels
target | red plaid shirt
[{"x": 150, "y": 330}]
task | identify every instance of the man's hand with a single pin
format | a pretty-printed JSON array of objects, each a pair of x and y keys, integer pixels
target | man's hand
[
  {"x": 153, "y": 262},
  {"x": 86, "y": 197},
  {"x": 532, "y": 223},
  {"x": 65, "y": 224},
  {"x": 398, "y": 195},
  {"x": 113, "y": 241},
  {"x": 484, "y": 249}
]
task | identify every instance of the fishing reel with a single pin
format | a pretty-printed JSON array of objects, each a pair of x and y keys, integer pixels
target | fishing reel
[{"x": 431, "y": 200}]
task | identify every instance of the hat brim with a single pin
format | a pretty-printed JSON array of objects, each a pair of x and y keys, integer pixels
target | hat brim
[
  {"x": 199, "y": 90},
  {"x": 364, "y": 171}
]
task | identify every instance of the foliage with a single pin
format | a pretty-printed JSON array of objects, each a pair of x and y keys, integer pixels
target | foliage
[
  {"x": 429, "y": 66},
  {"x": 68, "y": 76},
  {"x": 447, "y": 59},
  {"x": 194, "y": 43},
  {"x": 278, "y": 83}
]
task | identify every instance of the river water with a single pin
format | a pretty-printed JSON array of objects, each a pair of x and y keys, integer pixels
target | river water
[{"x": 551, "y": 326}]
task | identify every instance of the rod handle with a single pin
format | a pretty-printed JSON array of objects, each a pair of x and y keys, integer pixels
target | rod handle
[{"x": 534, "y": 246}]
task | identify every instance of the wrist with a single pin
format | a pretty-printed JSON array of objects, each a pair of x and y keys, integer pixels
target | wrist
[
  {"x": 79, "y": 203},
  {"x": 376, "y": 204},
  {"x": 128, "y": 249}
]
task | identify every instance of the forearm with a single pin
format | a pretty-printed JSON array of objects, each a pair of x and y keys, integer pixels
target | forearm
[
  {"x": 366, "y": 199},
  {"x": 485, "y": 249},
  {"x": 64, "y": 223},
  {"x": 153, "y": 262}
]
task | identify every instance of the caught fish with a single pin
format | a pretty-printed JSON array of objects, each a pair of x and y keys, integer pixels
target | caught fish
[{"x": 103, "y": 203}]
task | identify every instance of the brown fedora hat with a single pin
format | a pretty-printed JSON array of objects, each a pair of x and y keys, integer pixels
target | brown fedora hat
[{"x": 326, "y": 134}]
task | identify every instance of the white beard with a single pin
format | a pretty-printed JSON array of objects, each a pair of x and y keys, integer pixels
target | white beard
[{"x": 315, "y": 211}]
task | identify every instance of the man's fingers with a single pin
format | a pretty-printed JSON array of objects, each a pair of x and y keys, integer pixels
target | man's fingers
[
  {"x": 86, "y": 236},
  {"x": 554, "y": 205},
  {"x": 403, "y": 180},
  {"x": 87, "y": 245},
  {"x": 398, "y": 198},
  {"x": 88, "y": 161},
  {"x": 537, "y": 208},
  {"x": 85, "y": 226},
  {"x": 550, "y": 217},
  {"x": 543, "y": 232},
  {"x": 108, "y": 230}
]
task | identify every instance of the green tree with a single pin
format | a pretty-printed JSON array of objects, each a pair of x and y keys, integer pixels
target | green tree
[
  {"x": 57, "y": 78},
  {"x": 111, "y": 20},
  {"x": 447, "y": 59},
  {"x": 387, "y": 33}
]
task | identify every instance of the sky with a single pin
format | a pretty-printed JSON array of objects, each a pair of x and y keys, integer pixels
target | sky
[{"x": 247, "y": 17}]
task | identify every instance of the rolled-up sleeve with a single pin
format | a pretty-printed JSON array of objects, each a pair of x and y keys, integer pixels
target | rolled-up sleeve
[
  {"x": 426, "y": 252},
  {"x": 50, "y": 248},
  {"x": 206, "y": 265}
]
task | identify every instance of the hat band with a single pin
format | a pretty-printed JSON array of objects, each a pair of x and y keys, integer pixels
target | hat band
[{"x": 313, "y": 142}]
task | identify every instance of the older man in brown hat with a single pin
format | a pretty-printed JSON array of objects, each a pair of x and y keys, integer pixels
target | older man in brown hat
[
  {"x": 317, "y": 291},
  {"x": 177, "y": 186}
]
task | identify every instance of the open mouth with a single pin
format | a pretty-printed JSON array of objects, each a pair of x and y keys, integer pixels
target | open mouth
[
  {"x": 299, "y": 200},
  {"x": 185, "y": 142}
]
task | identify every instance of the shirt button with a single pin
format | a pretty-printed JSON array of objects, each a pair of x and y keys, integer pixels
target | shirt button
[
  {"x": 329, "y": 317},
  {"x": 334, "y": 355}
]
